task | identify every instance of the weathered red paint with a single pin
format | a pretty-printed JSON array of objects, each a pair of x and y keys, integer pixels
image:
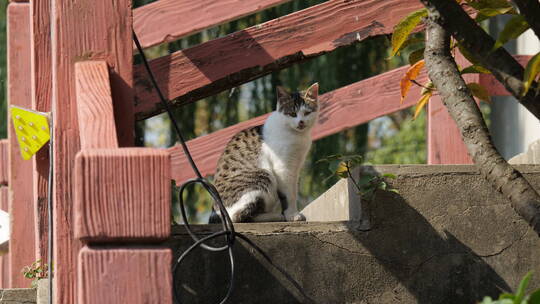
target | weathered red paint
[
  {"x": 4, "y": 259},
  {"x": 95, "y": 105},
  {"x": 168, "y": 20},
  {"x": 21, "y": 202},
  {"x": 122, "y": 195},
  {"x": 217, "y": 65},
  {"x": 40, "y": 32},
  {"x": 83, "y": 30},
  {"x": 135, "y": 275}
]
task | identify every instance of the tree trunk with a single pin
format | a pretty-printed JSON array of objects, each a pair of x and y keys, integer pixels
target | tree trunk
[{"x": 457, "y": 98}]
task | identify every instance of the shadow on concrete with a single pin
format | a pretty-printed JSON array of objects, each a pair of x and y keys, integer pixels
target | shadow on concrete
[
  {"x": 403, "y": 258},
  {"x": 204, "y": 277},
  {"x": 433, "y": 267}
]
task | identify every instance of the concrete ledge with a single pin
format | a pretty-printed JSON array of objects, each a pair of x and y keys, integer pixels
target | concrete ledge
[
  {"x": 18, "y": 296},
  {"x": 447, "y": 237}
]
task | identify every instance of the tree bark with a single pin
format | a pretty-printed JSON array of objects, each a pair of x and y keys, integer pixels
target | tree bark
[
  {"x": 530, "y": 9},
  {"x": 457, "y": 98},
  {"x": 501, "y": 64}
]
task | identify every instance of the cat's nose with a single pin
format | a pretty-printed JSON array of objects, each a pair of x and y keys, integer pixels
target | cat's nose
[{"x": 301, "y": 124}]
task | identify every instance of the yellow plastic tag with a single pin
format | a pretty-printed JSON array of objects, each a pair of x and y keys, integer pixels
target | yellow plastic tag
[{"x": 32, "y": 129}]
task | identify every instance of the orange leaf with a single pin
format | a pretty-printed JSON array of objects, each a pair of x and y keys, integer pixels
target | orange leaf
[
  {"x": 421, "y": 103},
  {"x": 411, "y": 74}
]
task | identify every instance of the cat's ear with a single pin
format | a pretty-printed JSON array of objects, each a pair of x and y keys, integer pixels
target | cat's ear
[
  {"x": 281, "y": 93},
  {"x": 312, "y": 92}
]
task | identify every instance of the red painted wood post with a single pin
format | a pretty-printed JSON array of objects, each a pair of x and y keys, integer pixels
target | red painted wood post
[
  {"x": 83, "y": 30},
  {"x": 40, "y": 31},
  {"x": 4, "y": 205},
  {"x": 22, "y": 244},
  {"x": 444, "y": 142},
  {"x": 121, "y": 195}
]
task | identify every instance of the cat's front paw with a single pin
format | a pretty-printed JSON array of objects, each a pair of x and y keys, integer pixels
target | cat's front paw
[{"x": 295, "y": 217}]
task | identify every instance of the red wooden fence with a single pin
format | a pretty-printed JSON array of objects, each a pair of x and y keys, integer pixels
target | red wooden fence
[
  {"x": 21, "y": 202},
  {"x": 107, "y": 194},
  {"x": 40, "y": 37}
]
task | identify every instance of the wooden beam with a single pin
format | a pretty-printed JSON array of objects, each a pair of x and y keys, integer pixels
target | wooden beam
[
  {"x": 168, "y": 20},
  {"x": 4, "y": 259},
  {"x": 83, "y": 30},
  {"x": 223, "y": 63},
  {"x": 21, "y": 201},
  {"x": 122, "y": 195},
  {"x": 4, "y": 162},
  {"x": 140, "y": 275},
  {"x": 95, "y": 105},
  {"x": 340, "y": 109},
  {"x": 40, "y": 33}
]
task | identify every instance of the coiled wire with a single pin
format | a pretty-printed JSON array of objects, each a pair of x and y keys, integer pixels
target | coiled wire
[{"x": 227, "y": 225}]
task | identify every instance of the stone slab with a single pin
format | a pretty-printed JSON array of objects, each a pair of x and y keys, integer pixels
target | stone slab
[
  {"x": 447, "y": 237},
  {"x": 18, "y": 296}
]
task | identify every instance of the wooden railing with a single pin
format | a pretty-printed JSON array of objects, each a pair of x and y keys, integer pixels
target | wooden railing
[{"x": 105, "y": 193}]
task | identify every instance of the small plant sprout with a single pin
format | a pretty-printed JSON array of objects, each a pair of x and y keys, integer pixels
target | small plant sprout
[
  {"x": 342, "y": 167},
  {"x": 519, "y": 297},
  {"x": 37, "y": 271}
]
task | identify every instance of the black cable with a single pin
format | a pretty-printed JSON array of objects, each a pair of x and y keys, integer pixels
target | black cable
[{"x": 228, "y": 227}]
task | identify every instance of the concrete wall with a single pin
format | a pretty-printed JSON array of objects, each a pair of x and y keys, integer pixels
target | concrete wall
[{"x": 447, "y": 237}]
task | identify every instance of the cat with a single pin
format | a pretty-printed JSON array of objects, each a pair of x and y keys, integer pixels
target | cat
[{"x": 257, "y": 174}]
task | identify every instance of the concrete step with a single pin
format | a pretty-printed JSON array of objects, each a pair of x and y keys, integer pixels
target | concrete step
[
  {"x": 447, "y": 237},
  {"x": 18, "y": 296}
]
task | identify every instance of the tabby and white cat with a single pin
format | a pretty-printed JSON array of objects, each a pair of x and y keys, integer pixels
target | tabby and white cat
[{"x": 257, "y": 174}]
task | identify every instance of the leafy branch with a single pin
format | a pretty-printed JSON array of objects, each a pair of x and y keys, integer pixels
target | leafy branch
[{"x": 342, "y": 167}]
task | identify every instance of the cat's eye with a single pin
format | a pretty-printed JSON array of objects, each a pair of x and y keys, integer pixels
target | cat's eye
[
  {"x": 292, "y": 114},
  {"x": 307, "y": 113}
]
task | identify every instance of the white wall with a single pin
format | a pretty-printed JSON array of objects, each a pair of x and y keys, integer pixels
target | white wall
[{"x": 513, "y": 127}]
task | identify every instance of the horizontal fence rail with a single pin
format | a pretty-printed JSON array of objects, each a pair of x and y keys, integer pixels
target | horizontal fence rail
[
  {"x": 168, "y": 20},
  {"x": 226, "y": 62}
]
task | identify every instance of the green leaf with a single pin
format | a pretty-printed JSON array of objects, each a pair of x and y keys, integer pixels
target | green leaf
[
  {"x": 365, "y": 179},
  {"x": 334, "y": 165},
  {"x": 382, "y": 185},
  {"x": 393, "y": 190},
  {"x": 506, "y": 295},
  {"x": 416, "y": 56},
  {"x": 489, "y": 4},
  {"x": 389, "y": 175},
  {"x": 479, "y": 91},
  {"x": 512, "y": 29},
  {"x": 475, "y": 69},
  {"x": 492, "y": 12},
  {"x": 534, "y": 298},
  {"x": 520, "y": 293},
  {"x": 412, "y": 41},
  {"x": 404, "y": 28},
  {"x": 531, "y": 71},
  {"x": 487, "y": 300}
]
